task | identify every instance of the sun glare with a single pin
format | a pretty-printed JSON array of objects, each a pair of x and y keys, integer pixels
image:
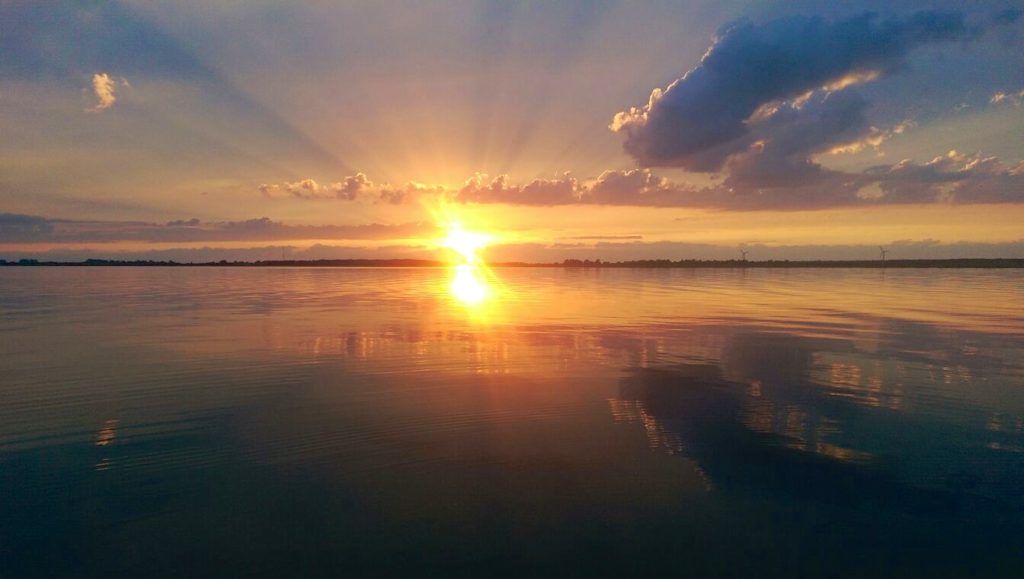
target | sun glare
[
  {"x": 469, "y": 283},
  {"x": 465, "y": 243},
  {"x": 468, "y": 286}
]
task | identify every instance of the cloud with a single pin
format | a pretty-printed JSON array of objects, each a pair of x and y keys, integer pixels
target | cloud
[
  {"x": 703, "y": 118},
  {"x": 874, "y": 139},
  {"x": 779, "y": 154},
  {"x": 1014, "y": 98},
  {"x": 604, "y": 238},
  {"x": 356, "y": 187},
  {"x": 309, "y": 189},
  {"x": 634, "y": 186},
  {"x": 563, "y": 190},
  {"x": 305, "y": 189},
  {"x": 104, "y": 88},
  {"x": 405, "y": 194},
  {"x": 15, "y": 228},
  {"x": 953, "y": 177},
  {"x": 779, "y": 176},
  {"x": 351, "y": 187},
  {"x": 769, "y": 100}
]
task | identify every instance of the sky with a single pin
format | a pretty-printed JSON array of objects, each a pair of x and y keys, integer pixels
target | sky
[{"x": 208, "y": 129}]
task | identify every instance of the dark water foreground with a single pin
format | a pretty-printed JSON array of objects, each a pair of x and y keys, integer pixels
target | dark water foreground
[{"x": 348, "y": 422}]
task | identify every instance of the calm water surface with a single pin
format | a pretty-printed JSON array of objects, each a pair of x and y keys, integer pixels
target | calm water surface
[{"x": 269, "y": 422}]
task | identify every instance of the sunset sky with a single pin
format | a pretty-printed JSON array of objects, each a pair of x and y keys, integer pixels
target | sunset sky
[{"x": 206, "y": 129}]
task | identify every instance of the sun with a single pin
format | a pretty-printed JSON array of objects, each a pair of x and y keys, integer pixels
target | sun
[
  {"x": 469, "y": 284},
  {"x": 472, "y": 283},
  {"x": 466, "y": 244}
]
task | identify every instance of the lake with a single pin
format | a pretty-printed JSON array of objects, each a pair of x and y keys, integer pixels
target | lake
[{"x": 350, "y": 422}]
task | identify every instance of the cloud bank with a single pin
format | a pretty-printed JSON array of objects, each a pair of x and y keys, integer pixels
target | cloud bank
[
  {"x": 356, "y": 187},
  {"x": 759, "y": 181}
]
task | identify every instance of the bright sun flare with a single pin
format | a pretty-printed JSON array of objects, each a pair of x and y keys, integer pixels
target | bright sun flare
[
  {"x": 469, "y": 284},
  {"x": 465, "y": 243}
]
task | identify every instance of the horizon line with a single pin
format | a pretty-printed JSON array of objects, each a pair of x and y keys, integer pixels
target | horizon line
[{"x": 962, "y": 262}]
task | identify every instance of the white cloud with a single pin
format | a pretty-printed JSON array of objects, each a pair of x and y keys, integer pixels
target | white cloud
[{"x": 104, "y": 88}]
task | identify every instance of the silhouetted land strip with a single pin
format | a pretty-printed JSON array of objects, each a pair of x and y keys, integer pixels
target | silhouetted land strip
[{"x": 569, "y": 263}]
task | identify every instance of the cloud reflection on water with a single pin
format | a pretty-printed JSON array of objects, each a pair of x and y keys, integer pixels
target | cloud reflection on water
[{"x": 636, "y": 406}]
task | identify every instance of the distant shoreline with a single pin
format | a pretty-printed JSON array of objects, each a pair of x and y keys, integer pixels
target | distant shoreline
[{"x": 966, "y": 263}]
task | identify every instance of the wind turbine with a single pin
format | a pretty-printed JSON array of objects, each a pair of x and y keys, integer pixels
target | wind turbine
[
  {"x": 743, "y": 252},
  {"x": 883, "y": 251}
]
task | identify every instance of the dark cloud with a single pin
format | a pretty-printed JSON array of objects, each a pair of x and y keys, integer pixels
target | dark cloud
[
  {"x": 782, "y": 144},
  {"x": 704, "y": 117},
  {"x": 954, "y": 178},
  {"x": 769, "y": 100},
  {"x": 16, "y": 228}
]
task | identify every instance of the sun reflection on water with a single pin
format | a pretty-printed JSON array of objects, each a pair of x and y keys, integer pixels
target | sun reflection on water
[
  {"x": 471, "y": 283},
  {"x": 468, "y": 285}
]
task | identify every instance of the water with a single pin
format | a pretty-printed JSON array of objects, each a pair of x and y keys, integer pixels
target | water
[{"x": 269, "y": 422}]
